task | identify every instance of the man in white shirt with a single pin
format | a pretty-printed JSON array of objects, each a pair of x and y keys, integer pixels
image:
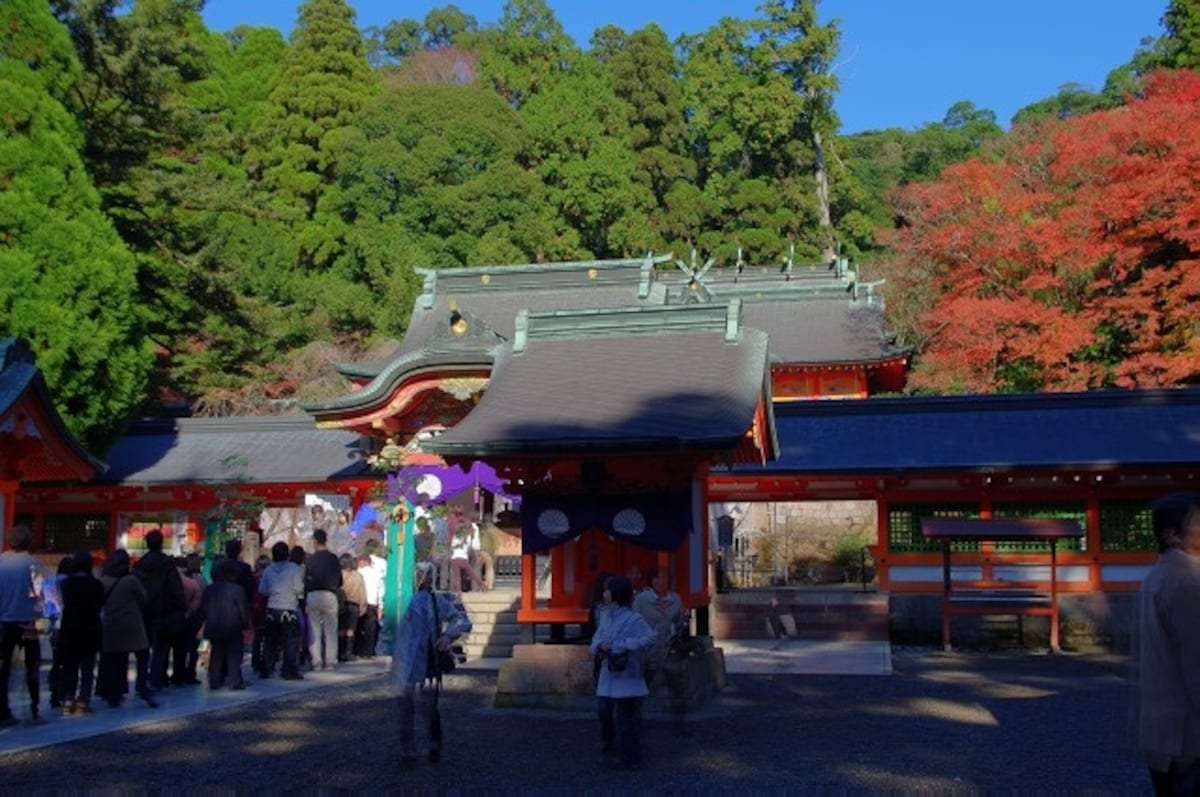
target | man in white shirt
[
  {"x": 482, "y": 560},
  {"x": 662, "y": 609},
  {"x": 460, "y": 554},
  {"x": 367, "y": 633}
]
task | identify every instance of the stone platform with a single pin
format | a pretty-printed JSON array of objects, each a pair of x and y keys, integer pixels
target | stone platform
[{"x": 560, "y": 676}]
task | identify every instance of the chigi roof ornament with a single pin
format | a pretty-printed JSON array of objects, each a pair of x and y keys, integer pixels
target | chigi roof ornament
[{"x": 696, "y": 289}]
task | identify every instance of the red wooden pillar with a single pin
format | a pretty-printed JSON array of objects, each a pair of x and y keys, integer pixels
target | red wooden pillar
[
  {"x": 946, "y": 587},
  {"x": 1093, "y": 539},
  {"x": 1054, "y": 596},
  {"x": 8, "y": 507},
  {"x": 881, "y": 550},
  {"x": 528, "y": 582}
]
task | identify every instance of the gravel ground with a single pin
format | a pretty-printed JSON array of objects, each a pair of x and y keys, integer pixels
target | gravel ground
[{"x": 943, "y": 723}]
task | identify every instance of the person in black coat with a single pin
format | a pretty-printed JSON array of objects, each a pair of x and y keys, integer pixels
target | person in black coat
[
  {"x": 79, "y": 635},
  {"x": 165, "y": 610},
  {"x": 226, "y": 616},
  {"x": 243, "y": 573}
]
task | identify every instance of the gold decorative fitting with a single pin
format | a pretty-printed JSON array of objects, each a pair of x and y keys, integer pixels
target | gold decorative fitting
[
  {"x": 593, "y": 273},
  {"x": 460, "y": 327},
  {"x": 389, "y": 456},
  {"x": 486, "y": 279},
  {"x": 462, "y": 387}
]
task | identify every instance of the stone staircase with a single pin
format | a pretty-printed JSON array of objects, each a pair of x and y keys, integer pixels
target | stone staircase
[
  {"x": 812, "y": 613},
  {"x": 494, "y": 622}
]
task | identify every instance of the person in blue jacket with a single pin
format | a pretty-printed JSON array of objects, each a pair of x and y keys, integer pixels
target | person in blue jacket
[{"x": 431, "y": 623}]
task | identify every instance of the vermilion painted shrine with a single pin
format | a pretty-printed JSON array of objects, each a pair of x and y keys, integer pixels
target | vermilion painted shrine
[{"x": 627, "y": 402}]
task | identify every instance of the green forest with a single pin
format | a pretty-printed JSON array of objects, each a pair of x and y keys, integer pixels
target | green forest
[{"x": 204, "y": 222}]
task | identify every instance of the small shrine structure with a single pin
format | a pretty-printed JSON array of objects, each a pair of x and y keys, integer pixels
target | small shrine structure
[{"x": 35, "y": 445}]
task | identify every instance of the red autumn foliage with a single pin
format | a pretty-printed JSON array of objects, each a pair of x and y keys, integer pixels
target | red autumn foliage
[{"x": 1067, "y": 259}]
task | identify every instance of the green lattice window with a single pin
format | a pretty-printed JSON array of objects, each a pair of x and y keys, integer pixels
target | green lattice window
[
  {"x": 67, "y": 533},
  {"x": 904, "y": 526},
  {"x": 1050, "y": 509},
  {"x": 1126, "y": 526}
]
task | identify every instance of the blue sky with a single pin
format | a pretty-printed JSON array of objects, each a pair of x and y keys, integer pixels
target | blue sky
[{"x": 903, "y": 63}]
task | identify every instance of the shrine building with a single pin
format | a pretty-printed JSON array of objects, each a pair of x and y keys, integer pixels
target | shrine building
[{"x": 629, "y": 405}]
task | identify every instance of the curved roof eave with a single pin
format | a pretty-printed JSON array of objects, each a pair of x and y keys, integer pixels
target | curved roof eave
[
  {"x": 20, "y": 376},
  {"x": 384, "y": 385}
]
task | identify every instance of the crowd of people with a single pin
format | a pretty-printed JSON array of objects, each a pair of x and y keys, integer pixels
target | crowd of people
[
  {"x": 297, "y": 610},
  {"x": 451, "y": 544}
]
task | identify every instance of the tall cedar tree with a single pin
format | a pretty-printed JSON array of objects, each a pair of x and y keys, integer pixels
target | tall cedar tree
[
  {"x": 753, "y": 147},
  {"x": 325, "y": 82},
  {"x": 525, "y": 53},
  {"x": 1072, "y": 262},
  {"x": 1179, "y": 48},
  {"x": 430, "y": 179},
  {"x": 641, "y": 68},
  {"x": 577, "y": 144},
  {"x": 802, "y": 51},
  {"x": 147, "y": 103},
  {"x": 69, "y": 281}
]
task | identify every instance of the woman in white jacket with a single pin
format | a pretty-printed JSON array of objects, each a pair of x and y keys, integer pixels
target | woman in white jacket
[{"x": 620, "y": 637}]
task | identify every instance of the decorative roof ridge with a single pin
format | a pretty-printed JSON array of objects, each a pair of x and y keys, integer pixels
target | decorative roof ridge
[
  {"x": 566, "y": 324},
  {"x": 779, "y": 271},
  {"x": 531, "y": 276},
  {"x": 295, "y": 421},
  {"x": 701, "y": 283},
  {"x": 752, "y": 292}
]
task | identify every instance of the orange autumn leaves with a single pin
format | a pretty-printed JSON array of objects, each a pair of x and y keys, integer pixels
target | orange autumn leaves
[{"x": 1067, "y": 259}]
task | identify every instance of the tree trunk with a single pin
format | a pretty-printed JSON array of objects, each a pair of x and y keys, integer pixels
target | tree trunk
[{"x": 821, "y": 173}]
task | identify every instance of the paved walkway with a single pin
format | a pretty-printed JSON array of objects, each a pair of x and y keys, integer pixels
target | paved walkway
[
  {"x": 742, "y": 657},
  {"x": 804, "y": 657},
  {"x": 55, "y": 727},
  {"x": 964, "y": 723}
]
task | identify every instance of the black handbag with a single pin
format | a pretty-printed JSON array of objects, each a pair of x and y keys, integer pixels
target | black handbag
[
  {"x": 441, "y": 662},
  {"x": 618, "y": 662}
]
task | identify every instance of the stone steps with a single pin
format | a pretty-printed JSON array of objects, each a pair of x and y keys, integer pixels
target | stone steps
[{"x": 494, "y": 622}]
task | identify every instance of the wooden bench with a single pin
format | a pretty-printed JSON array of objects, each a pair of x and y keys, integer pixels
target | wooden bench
[{"x": 993, "y": 597}]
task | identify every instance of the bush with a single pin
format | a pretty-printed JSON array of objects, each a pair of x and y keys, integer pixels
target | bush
[{"x": 850, "y": 555}]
